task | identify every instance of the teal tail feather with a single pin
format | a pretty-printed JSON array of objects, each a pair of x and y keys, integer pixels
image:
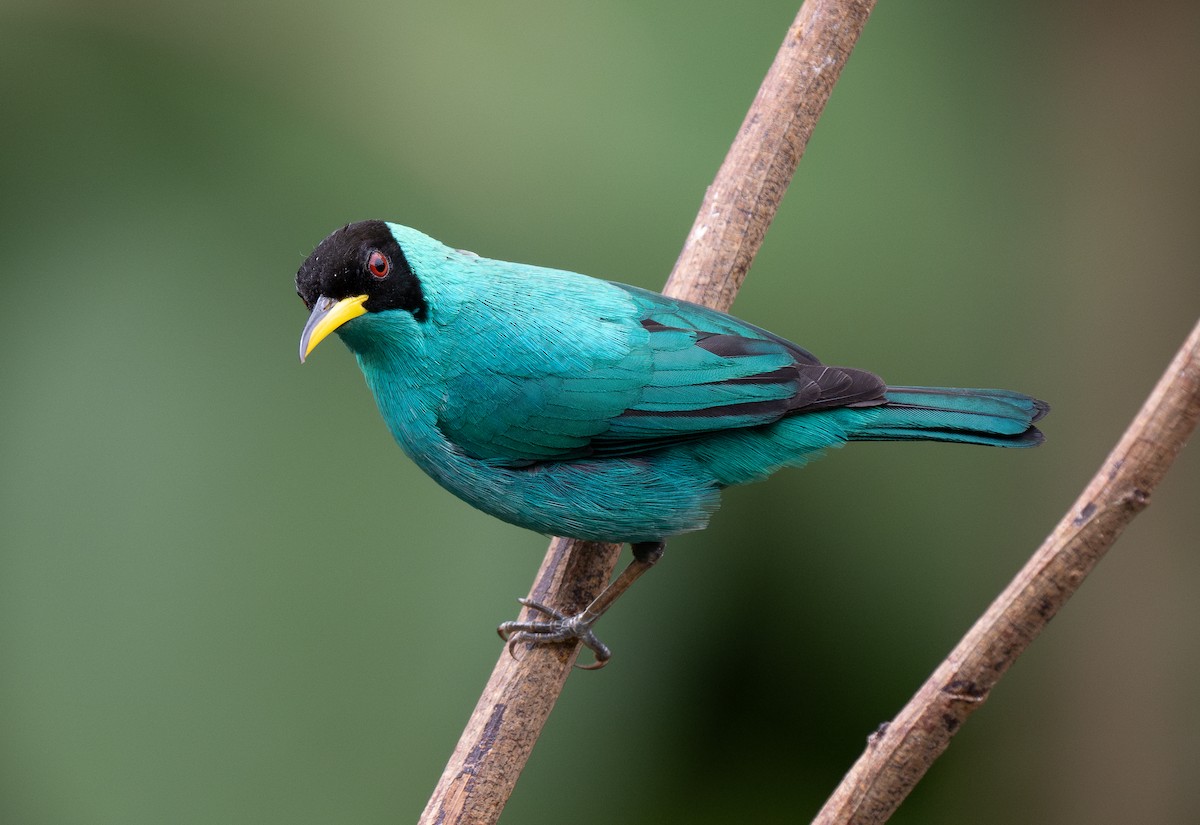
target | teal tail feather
[{"x": 998, "y": 418}]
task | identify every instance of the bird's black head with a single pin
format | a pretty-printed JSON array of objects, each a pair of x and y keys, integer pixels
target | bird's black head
[
  {"x": 356, "y": 270},
  {"x": 361, "y": 259}
]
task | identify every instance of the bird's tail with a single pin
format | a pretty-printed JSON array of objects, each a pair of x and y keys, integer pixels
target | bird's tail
[{"x": 995, "y": 417}]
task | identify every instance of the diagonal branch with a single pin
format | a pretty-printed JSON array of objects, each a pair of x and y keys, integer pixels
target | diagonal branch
[
  {"x": 728, "y": 231},
  {"x": 898, "y": 756}
]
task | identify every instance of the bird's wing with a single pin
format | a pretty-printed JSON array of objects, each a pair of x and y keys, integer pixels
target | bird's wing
[
  {"x": 715, "y": 372},
  {"x": 668, "y": 371}
]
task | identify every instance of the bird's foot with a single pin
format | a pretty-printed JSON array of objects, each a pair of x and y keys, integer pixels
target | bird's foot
[{"x": 558, "y": 628}]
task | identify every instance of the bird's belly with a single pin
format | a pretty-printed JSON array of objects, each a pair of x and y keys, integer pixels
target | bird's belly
[
  {"x": 642, "y": 498},
  {"x": 613, "y": 500}
]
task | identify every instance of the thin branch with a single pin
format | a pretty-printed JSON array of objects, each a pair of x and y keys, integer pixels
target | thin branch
[
  {"x": 728, "y": 231},
  {"x": 899, "y": 756}
]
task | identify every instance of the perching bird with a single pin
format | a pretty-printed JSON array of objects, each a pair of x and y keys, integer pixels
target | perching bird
[{"x": 589, "y": 409}]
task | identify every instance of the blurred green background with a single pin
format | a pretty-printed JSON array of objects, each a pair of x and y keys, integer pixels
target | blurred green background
[{"x": 200, "y": 622}]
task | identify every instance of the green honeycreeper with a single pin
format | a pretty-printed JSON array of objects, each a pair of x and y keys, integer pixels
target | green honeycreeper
[{"x": 589, "y": 409}]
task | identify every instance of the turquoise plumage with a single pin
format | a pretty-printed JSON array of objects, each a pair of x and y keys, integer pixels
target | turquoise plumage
[{"x": 584, "y": 408}]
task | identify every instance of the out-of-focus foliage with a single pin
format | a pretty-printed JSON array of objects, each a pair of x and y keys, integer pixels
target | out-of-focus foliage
[{"x": 225, "y": 596}]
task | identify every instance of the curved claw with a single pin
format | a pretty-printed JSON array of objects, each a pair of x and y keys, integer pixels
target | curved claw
[
  {"x": 559, "y": 628},
  {"x": 600, "y": 652},
  {"x": 512, "y": 644}
]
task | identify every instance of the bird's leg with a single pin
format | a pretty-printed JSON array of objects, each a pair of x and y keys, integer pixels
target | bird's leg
[{"x": 562, "y": 628}]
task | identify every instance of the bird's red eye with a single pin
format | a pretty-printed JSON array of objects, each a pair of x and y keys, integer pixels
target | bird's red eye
[{"x": 379, "y": 264}]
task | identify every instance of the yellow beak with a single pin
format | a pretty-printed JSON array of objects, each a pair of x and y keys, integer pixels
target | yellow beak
[{"x": 328, "y": 315}]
